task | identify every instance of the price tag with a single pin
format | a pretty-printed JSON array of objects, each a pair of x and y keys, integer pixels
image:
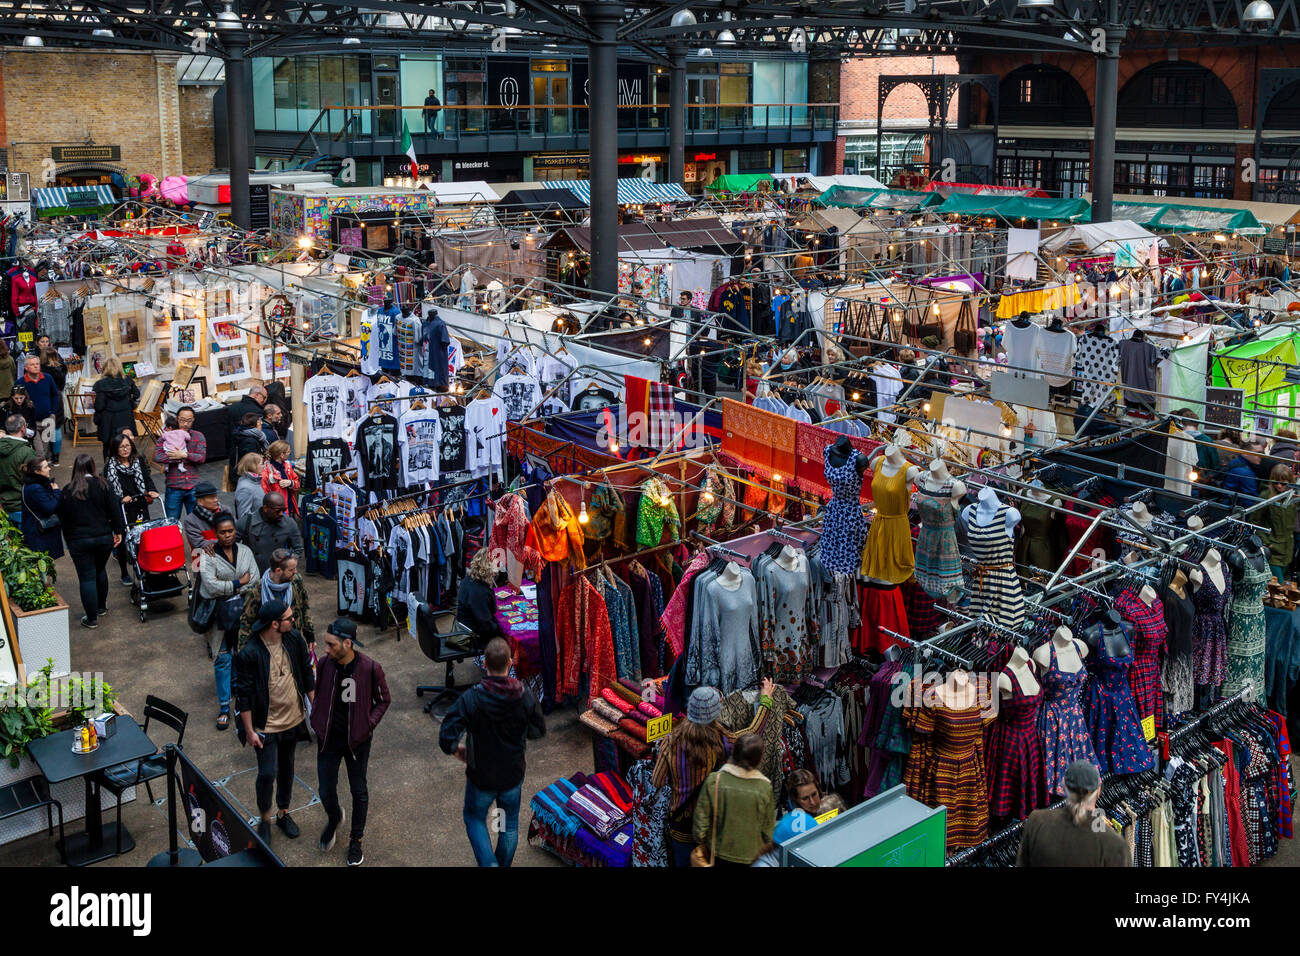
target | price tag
[
  {"x": 828, "y": 815},
  {"x": 658, "y": 727},
  {"x": 1149, "y": 727},
  {"x": 26, "y": 336}
]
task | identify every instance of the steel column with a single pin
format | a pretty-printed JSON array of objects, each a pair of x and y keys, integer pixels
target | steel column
[
  {"x": 237, "y": 126},
  {"x": 604, "y": 19},
  {"x": 1103, "y": 137},
  {"x": 677, "y": 114}
]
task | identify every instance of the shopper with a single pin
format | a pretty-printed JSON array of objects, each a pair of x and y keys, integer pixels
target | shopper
[
  {"x": 115, "y": 400},
  {"x": 267, "y": 529},
  {"x": 92, "y": 527},
  {"x": 253, "y": 402},
  {"x": 133, "y": 490},
  {"x": 736, "y": 812},
  {"x": 8, "y": 369},
  {"x": 1239, "y": 477},
  {"x": 1281, "y": 520},
  {"x": 45, "y": 399},
  {"x": 804, "y": 793},
  {"x": 248, "y": 489},
  {"x": 272, "y": 676},
  {"x": 278, "y": 475},
  {"x": 488, "y": 728},
  {"x": 431, "y": 108},
  {"x": 275, "y": 422},
  {"x": 1076, "y": 834},
  {"x": 41, "y": 503},
  {"x": 15, "y": 452},
  {"x": 476, "y": 600},
  {"x": 279, "y": 582},
  {"x": 182, "y": 467},
  {"x": 20, "y": 404},
  {"x": 249, "y": 437},
  {"x": 53, "y": 366},
  {"x": 358, "y": 698},
  {"x": 695, "y": 748},
  {"x": 225, "y": 572},
  {"x": 197, "y": 525}
]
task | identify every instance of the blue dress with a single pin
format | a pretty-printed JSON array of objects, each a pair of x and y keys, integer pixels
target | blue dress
[
  {"x": 1112, "y": 716},
  {"x": 844, "y": 528},
  {"x": 1061, "y": 724}
]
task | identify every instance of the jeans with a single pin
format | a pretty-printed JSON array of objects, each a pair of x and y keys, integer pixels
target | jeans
[
  {"x": 175, "y": 498},
  {"x": 477, "y": 803},
  {"x": 57, "y": 444},
  {"x": 221, "y": 666},
  {"x": 327, "y": 783},
  {"x": 275, "y": 769},
  {"x": 681, "y": 852},
  {"x": 91, "y": 563}
]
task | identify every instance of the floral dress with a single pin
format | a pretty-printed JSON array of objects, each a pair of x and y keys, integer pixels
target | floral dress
[
  {"x": 1112, "y": 716},
  {"x": 1209, "y": 633},
  {"x": 1246, "y": 632},
  {"x": 843, "y": 525},
  {"x": 1061, "y": 724},
  {"x": 938, "y": 563}
]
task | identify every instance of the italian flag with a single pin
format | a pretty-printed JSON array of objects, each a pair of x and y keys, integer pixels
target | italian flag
[{"x": 408, "y": 148}]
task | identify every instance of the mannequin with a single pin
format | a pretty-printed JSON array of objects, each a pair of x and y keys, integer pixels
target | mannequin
[
  {"x": 1212, "y": 567},
  {"x": 980, "y": 514},
  {"x": 957, "y": 692},
  {"x": 788, "y": 558},
  {"x": 844, "y": 528},
  {"x": 1178, "y": 583},
  {"x": 840, "y": 452},
  {"x": 937, "y": 475},
  {"x": 990, "y": 530},
  {"x": 891, "y": 460},
  {"x": 1147, "y": 595},
  {"x": 1108, "y": 635},
  {"x": 1021, "y": 667},
  {"x": 1141, "y": 514},
  {"x": 1070, "y": 652},
  {"x": 938, "y": 559},
  {"x": 1255, "y": 553},
  {"x": 730, "y": 576},
  {"x": 888, "y": 556}
]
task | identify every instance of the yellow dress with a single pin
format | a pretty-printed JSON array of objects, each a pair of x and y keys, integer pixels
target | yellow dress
[{"x": 888, "y": 554}]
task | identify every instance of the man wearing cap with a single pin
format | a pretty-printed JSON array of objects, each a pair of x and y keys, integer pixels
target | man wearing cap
[
  {"x": 272, "y": 676},
  {"x": 199, "y": 530},
  {"x": 181, "y": 481},
  {"x": 354, "y": 696},
  {"x": 1076, "y": 834}
]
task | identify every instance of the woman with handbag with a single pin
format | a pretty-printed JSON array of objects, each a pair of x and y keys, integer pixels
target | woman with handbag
[
  {"x": 40, "y": 509},
  {"x": 696, "y": 747},
  {"x": 92, "y": 527},
  {"x": 736, "y": 812},
  {"x": 132, "y": 486},
  {"x": 225, "y": 571}
]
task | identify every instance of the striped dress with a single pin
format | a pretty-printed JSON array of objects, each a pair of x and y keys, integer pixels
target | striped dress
[
  {"x": 948, "y": 768},
  {"x": 995, "y": 588}
]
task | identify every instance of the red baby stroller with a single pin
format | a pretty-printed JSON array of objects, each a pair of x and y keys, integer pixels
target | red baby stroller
[{"x": 157, "y": 553}]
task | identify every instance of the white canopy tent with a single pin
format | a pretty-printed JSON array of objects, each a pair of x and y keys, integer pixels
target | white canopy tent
[{"x": 1097, "y": 238}]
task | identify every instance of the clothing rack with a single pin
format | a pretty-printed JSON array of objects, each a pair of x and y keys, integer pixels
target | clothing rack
[
  {"x": 929, "y": 647},
  {"x": 1246, "y": 694},
  {"x": 625, "y": 557},
  {"x": 718, "y": 546}
]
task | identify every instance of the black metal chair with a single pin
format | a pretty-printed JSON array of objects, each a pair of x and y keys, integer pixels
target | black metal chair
[
  {"x": 121, "y": 777},
  {"x": 31, "y": 794},
  {"x": 433, "y": 642}
]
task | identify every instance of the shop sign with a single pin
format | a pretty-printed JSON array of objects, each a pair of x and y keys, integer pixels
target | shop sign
[
  {"x": 705, "y": 157},
  {"x": 86, "y": 154},
  {"x": 1274, "y": 244},
  {"x": 561, "y": 160},
  {"x": 82, "y": 198},
  {"x": 828, "y": 815},
  {"x": 658, "y": 727},
  {"x": 640, "y": 159},
  {"x": 400, "y": 166}
]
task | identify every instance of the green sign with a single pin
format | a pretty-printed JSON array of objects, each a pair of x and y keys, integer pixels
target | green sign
[{"x": 82, "y": 198}]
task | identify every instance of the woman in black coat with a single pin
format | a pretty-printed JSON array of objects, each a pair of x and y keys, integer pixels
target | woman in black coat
[
  {"x": 92, "y": 528},
  {"x": 40, "y": 500},
  {"x": 115, "y": 400},
  {"x": 132, "y": 489}
]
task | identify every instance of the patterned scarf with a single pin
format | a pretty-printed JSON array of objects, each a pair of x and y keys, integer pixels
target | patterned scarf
[
  {"x": 276, "y": 592},
  {"x": 207, "y": 514}
]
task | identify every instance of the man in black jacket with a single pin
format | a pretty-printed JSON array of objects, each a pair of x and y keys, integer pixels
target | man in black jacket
[
  {"x": 272, "y": 675},
  {"x": 254, "y": 402},
  {"x": 488, "y": 728}
]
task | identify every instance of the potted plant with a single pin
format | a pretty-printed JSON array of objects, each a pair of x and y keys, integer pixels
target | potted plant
[{"x": 40, "y": 615}]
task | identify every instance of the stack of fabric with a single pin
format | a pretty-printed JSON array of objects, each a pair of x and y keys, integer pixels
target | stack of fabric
[{"x": 586, "y": 819}]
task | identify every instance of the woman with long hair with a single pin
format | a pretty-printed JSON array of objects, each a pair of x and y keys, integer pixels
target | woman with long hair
[
  {"x": 53, "y": 366},
  {"x": 278, "y": 475},
  {"x": 697, "y": 747},
  {"x": 92, "y": 528},
  {"x": 476, "y": 600},
  {"x": 248, "y": 488},
  {"x": 115, "y": 398},
  {"x": 225, "y": 572},
  {"x": 132, "y": 487},
  {"x": 40, "y": 501}
]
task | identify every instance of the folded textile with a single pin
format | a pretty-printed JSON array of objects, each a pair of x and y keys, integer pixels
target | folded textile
[
  {"x": 598, "y": 723},
  {"x": 617, "y": 695},
  {"x": 551, "y": 806},
  {"x": 596, "y": 810},
  {"x": 762, "y": 441},
  {"x": 614, "y": 787},
  {"x": 809, "y": 466},
  {"x": 637, "y": 731},
  {"x": 636, "y": 715},
  {"x": 638, "y": 749},
  {"x": 615, "y": 851},
  {"x": 649, "y": 709},
  {"x": 605, "y": 709}
]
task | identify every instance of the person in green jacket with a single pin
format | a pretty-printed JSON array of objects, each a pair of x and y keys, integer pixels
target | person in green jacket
[
  {"x": 742, "y": 828},
  {"x": 1280, "y": 538},
  {"x": 15, "y": 452}
]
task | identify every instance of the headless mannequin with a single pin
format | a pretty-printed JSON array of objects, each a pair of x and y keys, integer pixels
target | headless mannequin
[
  {"x": 1141, "y": 514},
  {"x": 1022, "y": 321},
  {"x": 1255, "y": 553},
  {"x": 1070, "y": 652},
  {"x": 1212, "y": 568},
  {"x": 788, "y": 558},
  {"x": 1021, "y": 667},
  {"x": 1147, "y": 595},
  {"x": 1108, "y": 634},
  {"x": 840, "y": 452},
  {"x": 957, "y": 692},
  {"x": 981, "y": 514},
  {"x": 937, "y": 475},
  {"x": 1041, "y": 494},
  {"x": 1178, "y": 584},
  {"x": 1195, "y": 575},
  {"x": 730, "y": 578},
  {"x": 892, "y": 461}
]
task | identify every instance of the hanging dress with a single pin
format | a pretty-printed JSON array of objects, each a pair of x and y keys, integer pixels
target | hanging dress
[
  {"x": 1149, "y": 632},
  {"x": 1176, "y": 673},
  {"x": 995, "y": 589},
  {"x": 843, "y": 525},
  {"x": 1060, "y": 722},
  {"x": 1017, "y": 784},
  {"x": 1209, "y": 633},
  {"x": 953, "y": 775},
  {"x": 1039, "y": 544},
  {"x": 938, "y": 562},
  {"x": 1112, "y": 716},
  {"x": 888, "y": 554},
  {"x": 1246, "y": 632}
]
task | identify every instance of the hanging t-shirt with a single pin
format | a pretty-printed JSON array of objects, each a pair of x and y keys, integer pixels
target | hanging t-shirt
[
  {"x": 385, "y": 336},
  {"x": 377, "y": 454},
  {"x": 451, "y": 447},
  {"x": 1055, "y": 356},
  {"x": 551, "y": 370},
  {"x": 381, "y": 394},
  {"x": 518, "y": 394},
  {"x": 354, "y": 396},
  {"x": 326, "y": 408},
  {"x": 418, "y": 434},
  {"x": 344, "y": 499},
  {"x": 401, "y": 558},
  {"x": 521, "y": 358},
  {"x": 369, "y": 345},
  {"x": 325, "y": 457},
  {"x": 319, "y": 533},
  {"x": 485, "y": 427},
  {"x": 352, "y": 582},
  {"x": 408, "y": 330},
  {"x": 455, "y": 358}
]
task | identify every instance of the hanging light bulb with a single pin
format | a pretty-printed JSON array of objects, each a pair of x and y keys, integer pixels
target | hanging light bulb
[
  {"x": 925, "y": 407},
  {"x": 1194, "y": 475},
  {"x": 613, "y": 447},
  {"x": 857, "y": 396},
  {"x": 582, "y": 513}
]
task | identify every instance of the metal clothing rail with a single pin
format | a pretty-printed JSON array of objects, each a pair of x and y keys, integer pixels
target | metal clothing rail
[
  {"x": 1246, "y": 695},
  {"x": 928, "y": 646}
]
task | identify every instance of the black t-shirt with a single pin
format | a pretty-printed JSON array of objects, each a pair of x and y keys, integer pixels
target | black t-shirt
[
  {"x": 377, "y": 451},
  {"x": 451, "y": 448},
  {"x": 337, "y": 735},
  {"x": 324, "y": 456}
]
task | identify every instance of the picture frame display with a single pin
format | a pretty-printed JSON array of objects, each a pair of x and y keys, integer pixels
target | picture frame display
[
  {"x": 187, "y": 338},
  {"x": 230, "y": 365},
  {"x": 226, "y": 333}
]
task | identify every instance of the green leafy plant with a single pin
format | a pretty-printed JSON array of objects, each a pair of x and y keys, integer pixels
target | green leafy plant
[
  {"x": 83, "y": 698},
  {"x": 28, "y": 574},
  {"x": 19, "y": 726}
]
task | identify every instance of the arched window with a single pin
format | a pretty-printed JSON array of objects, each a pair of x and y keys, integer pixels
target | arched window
[
  {"x": 1182, "y": 95},
  {"x": 1042, "y": 96}
]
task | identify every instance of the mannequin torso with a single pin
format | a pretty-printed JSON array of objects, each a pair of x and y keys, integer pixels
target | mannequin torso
[
  {"x": 1070, "y": 652},
  {"x": 1021, "y": 667}
]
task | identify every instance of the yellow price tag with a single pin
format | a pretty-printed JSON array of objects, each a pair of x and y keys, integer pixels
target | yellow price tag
[
  {"x": 828, "y": 815},
  {"x": 1149, "y": 727},
  {"x": 658, "y": 727},
  {"x": 26, "y": 336}
]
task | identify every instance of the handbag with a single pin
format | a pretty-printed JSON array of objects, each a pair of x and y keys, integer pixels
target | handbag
[
  {"x": 229, "y": 611},
  {"x": 202, "y": 610},
  {"x": 44, "y": 525},
  {"x": 698, "y": 856}
]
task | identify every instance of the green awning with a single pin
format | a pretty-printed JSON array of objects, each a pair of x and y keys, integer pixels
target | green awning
[
  {"x": 903, "y": 200},
  {"x": 741, "y": 183},
  {"x": 1015, "y": 208},
  {"x": 1178, "y": 218}
]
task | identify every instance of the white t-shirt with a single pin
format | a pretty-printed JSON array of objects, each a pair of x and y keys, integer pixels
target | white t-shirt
[
  {"x": 1021, "y": 346},
  {"x": 485, "y": 425},
  {"x": 419, "y": 433},
  {"x": 1056, "y": 356},
  {"x": 325, "y": 397},
  {"x": 518, "y": 395}
]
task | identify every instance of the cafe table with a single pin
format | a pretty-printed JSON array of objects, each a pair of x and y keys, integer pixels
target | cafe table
[{"x": 57, "y": 761}]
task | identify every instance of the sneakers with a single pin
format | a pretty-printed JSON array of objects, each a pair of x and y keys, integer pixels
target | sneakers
[
  {"x": 328, "y": 835},
  {"x": 355, "y": 856},
  {"x": 102, "y": 612},
  {"x": 127, "y": 582},
  {"x": 88, "y": 623},
  {"x": 286, "y": 824},
  {"x": 264, "y": 831}
]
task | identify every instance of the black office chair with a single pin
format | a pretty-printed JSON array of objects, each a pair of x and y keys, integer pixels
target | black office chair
[
  {"x": 433, "y": 642},
  {"x": 121, "y": 777}
]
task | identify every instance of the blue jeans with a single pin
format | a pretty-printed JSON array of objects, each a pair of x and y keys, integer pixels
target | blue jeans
[
  {"x": 221, "y": 667},
  {"x": 477, "y": 803},
  {"x": 56, "y": 445},
  {"x": 175, "y": 498}
]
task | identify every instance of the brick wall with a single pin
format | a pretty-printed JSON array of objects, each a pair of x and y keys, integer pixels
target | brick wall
[
  {"x": 859, "y": 86},
  {"x": 196, "y": 129}
]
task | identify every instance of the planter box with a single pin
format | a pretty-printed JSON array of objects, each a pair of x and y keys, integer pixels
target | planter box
[{"x": 43, "y": 634}]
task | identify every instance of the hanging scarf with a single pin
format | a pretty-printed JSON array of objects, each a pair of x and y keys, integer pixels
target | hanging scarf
[
  {"x": 276, "y": 592},
  {"x": 555, "y": 533}
]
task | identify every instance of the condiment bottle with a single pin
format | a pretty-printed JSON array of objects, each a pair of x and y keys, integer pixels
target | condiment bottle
[
  {"x": 85, "y": 737},
  {"x": 94, "y": 735}
]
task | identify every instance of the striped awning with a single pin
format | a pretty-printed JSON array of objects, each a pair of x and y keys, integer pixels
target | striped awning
[
  {"x": 73, "y": 197},
  {"x": 634, "y": 189}
]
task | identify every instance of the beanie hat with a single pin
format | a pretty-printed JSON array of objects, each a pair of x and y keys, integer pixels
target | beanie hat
[{"x": 704, "y": 705}]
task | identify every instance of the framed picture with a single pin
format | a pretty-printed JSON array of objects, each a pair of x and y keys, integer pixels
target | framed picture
[
  {"x": 94, "y": 320},
  {"x": 162, "y": 355},
  {"x": 128, "y": 369},
  {"x": 279, "y": 368},
  {"x": 184, "y": 375},
  {"x": 96, "y": 356},
  {"x": 191, "y": 393},
  {"x": 162, "y": 319},
  {"x": 186, "y": 338},
  {"x": 128, "y": 330},
  {"x": 230, "y": 365},
  {"x": 226, "y": 333}
]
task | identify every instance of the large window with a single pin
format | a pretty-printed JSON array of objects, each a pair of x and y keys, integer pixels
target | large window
[
  {"x": 755, "y": 161},
  {"x": 466, "y": 85},
  {"x": 735, "y": 86},
  {"x": 290, "y": 92},
  {"x": 780, "y": 82},
  {"x": 420, "y": 74}
]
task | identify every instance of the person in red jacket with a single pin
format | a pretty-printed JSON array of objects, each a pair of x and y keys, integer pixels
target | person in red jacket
[{"x": 351, "y": 699}]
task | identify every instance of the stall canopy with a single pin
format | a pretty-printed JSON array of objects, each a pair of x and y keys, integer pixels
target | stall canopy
[
  {"x": 900, "y": 199},
  {"x": 1178, "y": 218},
  {"x": 821, "y": 220},
  {"x": 474, "y": 190},
  {"x": 632, "y": 237},
  {"x": 632, "y": 190},
  {"x": 705, "y": 235},
  {"x": 740, "y": 183},
  {"x": 981, "y": 189},
  {"x": 1014, "y": 208},
  {"x": 73, "y": 197},
  {"x": 823, "y": 183},
  {"x": 1268, "y": 213},
  {"x": 539, "y": 200},
  {"x": 1098, "y": 238}
]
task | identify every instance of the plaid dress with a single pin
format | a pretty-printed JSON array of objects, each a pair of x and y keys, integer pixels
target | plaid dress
[
  {"x": 1149, "y": 631},
  {"x": 951, "y": 772},
  {"x": 1017, "y": 784}
]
